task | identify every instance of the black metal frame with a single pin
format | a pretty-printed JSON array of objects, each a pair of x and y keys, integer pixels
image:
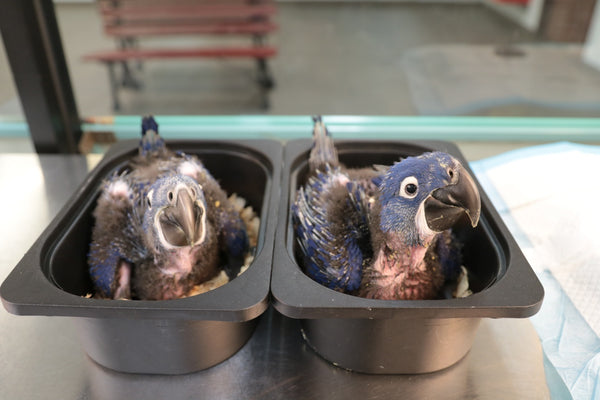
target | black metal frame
[{"x": 35, "y": 53}]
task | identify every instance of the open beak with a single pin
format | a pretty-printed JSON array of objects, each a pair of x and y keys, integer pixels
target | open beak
[
  {"x": 182, "y": 222},
  {"x": 446, "y": 205}
]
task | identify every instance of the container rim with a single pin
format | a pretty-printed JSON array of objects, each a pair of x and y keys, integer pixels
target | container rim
[{"x": 28, "y": 291}]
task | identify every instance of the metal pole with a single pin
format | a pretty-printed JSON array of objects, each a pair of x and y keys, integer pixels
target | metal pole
[{"x": 35, "y": 54}]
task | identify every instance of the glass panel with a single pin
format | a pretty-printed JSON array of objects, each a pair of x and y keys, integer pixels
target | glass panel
[
  {"x": 444, "y": 58},
  {"x": 479, "y": 57}
]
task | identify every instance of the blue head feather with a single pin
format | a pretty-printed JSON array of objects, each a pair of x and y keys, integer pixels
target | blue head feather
[{"x": 404, "y": 189}]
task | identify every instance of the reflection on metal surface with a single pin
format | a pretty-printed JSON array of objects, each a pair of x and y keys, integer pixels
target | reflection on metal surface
[{"x": 276, "y": 363}]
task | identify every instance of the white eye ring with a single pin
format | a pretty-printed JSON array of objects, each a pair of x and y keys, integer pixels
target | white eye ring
[{"x": 409, "y": 187}]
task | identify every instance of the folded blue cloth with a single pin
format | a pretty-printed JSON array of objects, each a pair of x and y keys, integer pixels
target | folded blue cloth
[{"x": 548, "y": 197}]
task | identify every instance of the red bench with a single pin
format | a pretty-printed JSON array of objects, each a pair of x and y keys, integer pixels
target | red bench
[{"x": 128, "y": 20}]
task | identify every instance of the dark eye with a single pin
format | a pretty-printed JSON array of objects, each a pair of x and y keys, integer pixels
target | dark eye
[
  {"x": 450, "y": 173},
  {"x": 170, "y": 196},
  {"x": 409, "y": 187}
]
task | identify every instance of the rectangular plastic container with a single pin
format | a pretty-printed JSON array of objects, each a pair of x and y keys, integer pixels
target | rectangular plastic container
[
  {"x": 399, "y": 336},
  {"x": 158, "y": 337}
]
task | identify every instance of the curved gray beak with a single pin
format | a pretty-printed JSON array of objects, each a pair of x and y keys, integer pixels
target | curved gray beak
[
  {"x": 446, "y": 205},
  {"x": 180, "y": 223}
]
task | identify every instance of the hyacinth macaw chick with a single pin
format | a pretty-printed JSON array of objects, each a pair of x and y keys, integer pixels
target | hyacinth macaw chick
[
  {"x": 162, "y": 226},
  {"x": 383, "y": 232},
  {"x": 182, "y": 245}
]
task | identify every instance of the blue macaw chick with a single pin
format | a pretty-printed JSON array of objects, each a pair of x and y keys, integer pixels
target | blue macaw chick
[
  {"x": 419, "y": 200},
  {"x": 180, "y": 239},
  {"x": 163, "y": 226},
  {"x": 384, "y": 232}
]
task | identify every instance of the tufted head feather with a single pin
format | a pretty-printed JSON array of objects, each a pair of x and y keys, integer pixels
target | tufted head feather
[
  {"x": 151, "y": 143},
  {"x": 149, "y": 124}
]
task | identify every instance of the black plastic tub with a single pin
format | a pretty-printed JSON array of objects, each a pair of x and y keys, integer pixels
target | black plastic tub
[
  {"x": 158, "y": 337},
  {"x": 399, "y": 336}
]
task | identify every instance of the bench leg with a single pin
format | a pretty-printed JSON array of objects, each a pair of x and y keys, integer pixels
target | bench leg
[
  {"x": 130, "y": 42},
  {"x": 265, "y": 84},
  {"x": 265, "y": 79},
  {"x": 127, "y": 79},
  {"x": 114, "y": 86},
  {"x": 134, "y": 44},
  {"x": 265, "y": 104}
]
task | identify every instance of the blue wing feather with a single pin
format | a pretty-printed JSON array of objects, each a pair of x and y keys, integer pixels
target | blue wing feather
[
  {"x": 117, "y": 233},
  {"x": 236, "y": 238},
  {"x": 103, "y": 265},
  {"x": 449, "y": 254},
  {"x": 333, "y": 248}
]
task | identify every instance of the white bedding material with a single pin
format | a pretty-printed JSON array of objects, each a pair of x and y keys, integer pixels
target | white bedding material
[{"x": 549, "y": 196}]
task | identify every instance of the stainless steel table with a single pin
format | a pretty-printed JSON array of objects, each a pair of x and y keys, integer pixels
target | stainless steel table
[{"x": 40, "y": 357}]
